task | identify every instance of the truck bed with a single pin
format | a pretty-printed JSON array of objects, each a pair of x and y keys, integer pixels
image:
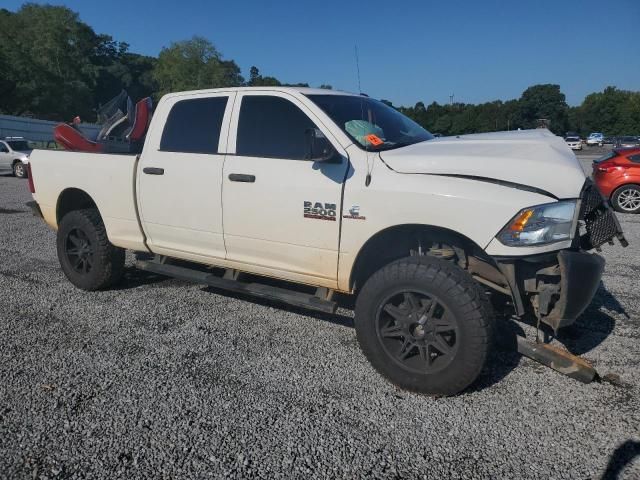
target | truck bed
[{"x": 108, "y": 179}]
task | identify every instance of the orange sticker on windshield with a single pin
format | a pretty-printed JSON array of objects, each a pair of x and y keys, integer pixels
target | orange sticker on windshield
[{"x": 374, "y": 140}]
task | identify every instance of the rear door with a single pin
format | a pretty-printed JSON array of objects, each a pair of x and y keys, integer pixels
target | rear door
[
  {"x": 281, "y": 212},
  {"x": 180, "y": 177}
]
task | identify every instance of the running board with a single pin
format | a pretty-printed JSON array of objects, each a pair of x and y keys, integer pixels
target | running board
[
  {"x": 268, "y": 292},
  {"x": 557, "y": 359}
]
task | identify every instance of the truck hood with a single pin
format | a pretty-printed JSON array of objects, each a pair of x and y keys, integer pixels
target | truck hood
[{"x": 531, "y": 158}]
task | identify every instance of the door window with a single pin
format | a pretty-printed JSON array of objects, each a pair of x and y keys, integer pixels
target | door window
[
  {"x": 272, "y": 127},
  {"x": 3, "y": 148},
  {"x": 193, "y": 126}
]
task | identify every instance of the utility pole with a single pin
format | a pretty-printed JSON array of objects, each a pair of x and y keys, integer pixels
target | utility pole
[{"x": 451, "y": 99}]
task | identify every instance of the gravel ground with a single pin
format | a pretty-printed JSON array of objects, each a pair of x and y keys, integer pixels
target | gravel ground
[{"x": 161, "y": 378}]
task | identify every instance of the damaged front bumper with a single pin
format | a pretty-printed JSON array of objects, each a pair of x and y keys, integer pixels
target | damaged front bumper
[
  {"x": 560, "y": 285},
  {"x": 557, "y": 286}
]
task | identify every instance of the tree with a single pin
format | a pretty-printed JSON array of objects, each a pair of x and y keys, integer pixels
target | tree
[
  {"x": 50, "y": 61},
  {"x": 128, "y": 71},
  {"x": 612, "y": 111},
  {"x": 257, "y": 80},
  {"x": 194, "y": 64},
  {"x": 543, "y": 101}
]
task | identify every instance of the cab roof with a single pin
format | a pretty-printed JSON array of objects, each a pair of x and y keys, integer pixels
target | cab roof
[{"x": 302, "y": 90}]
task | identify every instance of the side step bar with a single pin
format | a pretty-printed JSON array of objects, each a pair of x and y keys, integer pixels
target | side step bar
[{"x": 283, "y": 295}]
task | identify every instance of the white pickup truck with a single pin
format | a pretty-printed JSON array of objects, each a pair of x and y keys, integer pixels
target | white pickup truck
[{"x": 336, "y": 192}]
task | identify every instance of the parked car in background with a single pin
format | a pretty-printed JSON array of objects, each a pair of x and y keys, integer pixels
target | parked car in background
[
  {"x": 595, "y": 139},
  {"x": 617, "y": 175},
  {"x": 14, "y": 156},
  {"x": 627, "y": 142},
  {"x": 574, "y": 143}
]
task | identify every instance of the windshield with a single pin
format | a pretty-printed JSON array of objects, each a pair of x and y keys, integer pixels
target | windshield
[
  {"x": 19, "y": 145},
  {"x": 371, "y": 124},
  {"x": 572, "y": 139}
]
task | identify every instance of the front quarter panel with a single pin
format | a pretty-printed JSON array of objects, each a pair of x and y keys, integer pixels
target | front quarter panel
[{"x": 478, "y": 210}]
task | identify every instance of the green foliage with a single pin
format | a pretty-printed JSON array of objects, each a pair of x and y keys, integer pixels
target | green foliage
[
  {"x": 54, "y": 66},
  {"x": 48, "y": 47},
  {"x": 612, "y": 112},
  {"x": 194, "y": 64},
  {"x": 257, "y": 80},
  {"x": 543, "y": 102}
]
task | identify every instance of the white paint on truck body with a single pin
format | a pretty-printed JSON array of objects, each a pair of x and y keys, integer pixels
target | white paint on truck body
[{"x": 194, "y": 212}]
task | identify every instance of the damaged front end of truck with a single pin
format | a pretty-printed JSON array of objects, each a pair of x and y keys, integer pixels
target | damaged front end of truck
[{"x": 558, "y": 286}]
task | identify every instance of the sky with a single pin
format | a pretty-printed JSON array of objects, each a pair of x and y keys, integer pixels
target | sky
[{"x": 476, "y": 50}]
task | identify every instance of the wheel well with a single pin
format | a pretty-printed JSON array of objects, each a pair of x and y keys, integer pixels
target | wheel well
[
  {"x": 401, "y": 241},
  {"x": 72, "y": 199},
  {"x": 15, "y": 161},
  {"x": 615, "y": 190}
]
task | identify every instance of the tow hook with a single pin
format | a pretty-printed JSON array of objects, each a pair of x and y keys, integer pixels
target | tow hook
[{"x": 557, "y": 359}]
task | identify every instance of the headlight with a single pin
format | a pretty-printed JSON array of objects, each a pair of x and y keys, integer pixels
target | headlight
[{"x": 549, "y": 223}]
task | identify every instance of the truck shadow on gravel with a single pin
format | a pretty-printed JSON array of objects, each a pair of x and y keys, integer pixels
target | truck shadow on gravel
[
  {"x": 135, "y": 278},
  {"x": 501, "y": 361},
  {"x": 595, "y": 325}
]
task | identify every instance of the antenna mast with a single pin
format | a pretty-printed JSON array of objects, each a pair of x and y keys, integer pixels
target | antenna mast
[{"x": 358, "y": 68}]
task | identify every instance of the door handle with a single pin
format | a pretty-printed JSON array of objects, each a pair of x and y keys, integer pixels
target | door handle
[
  {"x": 241, "y": 177},
  {"x": 153, "y": 171}
]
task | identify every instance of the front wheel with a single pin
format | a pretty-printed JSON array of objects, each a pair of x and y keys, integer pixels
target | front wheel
[
  {"x": 425, "y": 325},
  {"x": 86, "y": 256},
  {"x": 19, "y": 170},
  {"x": 626, "y": 199}
]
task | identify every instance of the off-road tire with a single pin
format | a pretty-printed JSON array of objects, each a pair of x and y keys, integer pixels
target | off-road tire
[
  {"x": 615, "y": 198},
  {"x": 107, "y": 264},
  {"x": 457, "y": 291},
  {"x": 19, "y": 170}
]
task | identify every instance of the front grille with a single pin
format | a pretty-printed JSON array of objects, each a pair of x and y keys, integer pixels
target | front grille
[{"x": 600, "y": 223}]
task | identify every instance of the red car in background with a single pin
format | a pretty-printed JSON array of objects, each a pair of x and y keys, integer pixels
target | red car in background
[{"x": 617, "y": 175}]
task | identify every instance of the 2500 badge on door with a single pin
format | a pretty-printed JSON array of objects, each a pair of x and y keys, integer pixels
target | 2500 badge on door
[{"x": 320, "y": 211}]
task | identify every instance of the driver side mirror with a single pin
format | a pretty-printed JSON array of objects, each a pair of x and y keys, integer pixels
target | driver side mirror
[{"x": 319, "y": 148}]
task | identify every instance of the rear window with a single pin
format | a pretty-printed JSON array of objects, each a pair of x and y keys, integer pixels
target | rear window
[
  {"x": 606, "y": 157},
  {"x": 634, "y": 158},
  {"x": 193, "y": 126}
]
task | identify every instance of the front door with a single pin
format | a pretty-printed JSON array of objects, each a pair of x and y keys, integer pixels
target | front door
[
  {"x": 5, "y": 158},
  {"x": 180, "y": 177},
  {"x": 281, "y": 212}
]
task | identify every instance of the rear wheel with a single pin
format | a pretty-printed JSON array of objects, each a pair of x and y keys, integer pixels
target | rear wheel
[
  {"x": 19, "y": 170},
  {"x": 626, "y": 199},
  {"x": 86, "y": 256},
  {"x": 425, "y": 324}
]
